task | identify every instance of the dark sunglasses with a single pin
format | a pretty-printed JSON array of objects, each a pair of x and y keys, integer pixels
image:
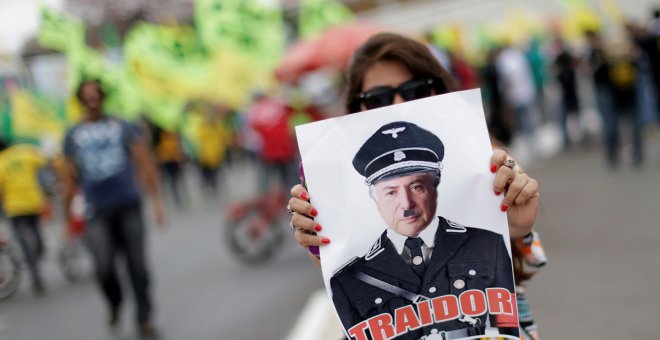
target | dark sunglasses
[{"x": 384, "y": 95}]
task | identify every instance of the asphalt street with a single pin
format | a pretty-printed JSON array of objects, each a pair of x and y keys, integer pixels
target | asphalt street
[{"x": 601, "y": 232}]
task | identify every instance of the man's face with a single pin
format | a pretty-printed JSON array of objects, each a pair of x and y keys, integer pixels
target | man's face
[
  {"x": 91, "y": 96},
  {"x": 407, "y": 203}
]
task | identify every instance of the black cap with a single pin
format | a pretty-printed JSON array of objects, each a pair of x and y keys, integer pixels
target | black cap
[{"x": 398, "y": 149}]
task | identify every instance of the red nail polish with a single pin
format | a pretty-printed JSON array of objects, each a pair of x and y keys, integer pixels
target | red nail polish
[
  {"x": 318, "y": 227},
  {"x": 497, "y": 193},
  {"x": 493, "y": 168},
  {"x": 504, "y": 207},
  {"x": 325, "y": 240},
  {"x": 304, "y": 196},
  {"x": 314, "y": 212}
]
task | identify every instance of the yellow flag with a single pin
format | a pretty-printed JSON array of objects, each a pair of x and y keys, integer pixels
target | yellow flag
[{"x": 33, "y": 119}]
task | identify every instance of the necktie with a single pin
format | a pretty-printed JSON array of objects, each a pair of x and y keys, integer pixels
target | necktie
[{"x": 414, "y": 244}]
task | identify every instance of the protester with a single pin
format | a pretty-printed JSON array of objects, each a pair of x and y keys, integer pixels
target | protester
[
  {"x": 499, "y": 122},
  {"x": 170, "y": 156},
  {"x": 385, "y": 63},
  {"x": 615, "y": 77},
  {"x": 270, "y": 118},
  {"x": 107, "y": 157},
  {"x": 518, "y": 89},
  {"x": 565, "y": 72},
  {"x": 212, "y": 145},
  {"x": 23, "y": 201}
]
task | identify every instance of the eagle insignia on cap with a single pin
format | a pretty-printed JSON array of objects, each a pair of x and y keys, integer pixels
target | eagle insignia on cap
[
  {"x": 399, "y": 156},
  {"x": 394, "y": 132}
]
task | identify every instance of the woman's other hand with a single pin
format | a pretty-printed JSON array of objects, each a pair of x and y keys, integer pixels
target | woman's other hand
[
  {"x": 521, "y": 194},
  {"x": 302, "y": 214}
]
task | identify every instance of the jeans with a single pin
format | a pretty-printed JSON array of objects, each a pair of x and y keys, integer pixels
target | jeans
[
  {"x": 610, "y": 116},
  {"x": 120, "y": 230},
  {"x": 524, "y": 121},
  {"x": 26, "y": 231}
]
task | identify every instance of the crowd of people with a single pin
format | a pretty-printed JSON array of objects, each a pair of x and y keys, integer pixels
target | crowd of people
[{"x": 556, "y": 81}]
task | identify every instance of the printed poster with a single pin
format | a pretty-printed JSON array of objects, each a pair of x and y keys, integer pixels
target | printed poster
[{"x": 419, "y": 246}]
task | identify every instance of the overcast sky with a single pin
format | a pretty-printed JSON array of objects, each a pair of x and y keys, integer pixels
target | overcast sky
[{"x": 18, "y": 20}]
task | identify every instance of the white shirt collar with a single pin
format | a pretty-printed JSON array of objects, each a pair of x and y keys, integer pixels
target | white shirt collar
[{"x": 427, "y": 235}]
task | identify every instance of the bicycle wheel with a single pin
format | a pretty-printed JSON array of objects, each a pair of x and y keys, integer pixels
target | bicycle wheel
[
  {"x": 252, "y": 238},
  {"x": 10, "y": 270}
]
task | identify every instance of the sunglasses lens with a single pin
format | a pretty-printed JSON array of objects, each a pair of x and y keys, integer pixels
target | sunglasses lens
[
  {"x": 378, "y": 98},
  {"x": 415, "y": 90}
]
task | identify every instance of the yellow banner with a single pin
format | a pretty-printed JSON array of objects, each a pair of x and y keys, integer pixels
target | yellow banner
[{"x": 33, "y": 119}]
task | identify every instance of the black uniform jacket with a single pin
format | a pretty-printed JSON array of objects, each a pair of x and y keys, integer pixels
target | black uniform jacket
[{"x": 477, "y": 257}]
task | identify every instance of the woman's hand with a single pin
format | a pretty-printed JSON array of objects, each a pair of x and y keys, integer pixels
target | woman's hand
[
  {"x": 302, "y": 214},
  {"x": 521, "y": 194}
]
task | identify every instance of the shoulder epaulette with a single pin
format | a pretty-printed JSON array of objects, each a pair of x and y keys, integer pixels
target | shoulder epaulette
[{"x": 342, "y": 267}]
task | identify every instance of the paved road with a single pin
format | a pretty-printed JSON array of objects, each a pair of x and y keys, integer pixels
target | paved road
[
  {"x": 202, "y": 291},
  {"x": 601, "y": 231}
]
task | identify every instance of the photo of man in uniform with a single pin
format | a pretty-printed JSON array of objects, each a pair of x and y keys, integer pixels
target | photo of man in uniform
[{"x": 420, "y": 255}]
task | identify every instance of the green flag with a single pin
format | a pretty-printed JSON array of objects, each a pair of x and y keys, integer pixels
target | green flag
[
  {"x": 121, "y": 98},
  {"x": 315, "y": 16},
  {"x": 253, "y": 28},
  {"x": 59, "y": 31}
]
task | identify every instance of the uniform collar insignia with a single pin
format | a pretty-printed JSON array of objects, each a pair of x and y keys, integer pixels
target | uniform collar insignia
[
  {"x": 375, "y": 250},
  {"x": 393, "y": 131},
  {"x": 455, "y": 227}
]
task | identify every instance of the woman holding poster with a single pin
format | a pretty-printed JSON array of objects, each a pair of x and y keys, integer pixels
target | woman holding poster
[{"x": 390, "y": 69}]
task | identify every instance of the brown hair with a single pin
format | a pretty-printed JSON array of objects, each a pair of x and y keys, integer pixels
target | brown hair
[{"x": 415, "y": 56}]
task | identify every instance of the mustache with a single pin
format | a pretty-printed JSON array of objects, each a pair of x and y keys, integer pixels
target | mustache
[{"x": 409, "y": 213}]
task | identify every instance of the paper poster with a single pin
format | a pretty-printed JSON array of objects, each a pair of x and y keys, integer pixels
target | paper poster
[{"x": 419, "y": 246}]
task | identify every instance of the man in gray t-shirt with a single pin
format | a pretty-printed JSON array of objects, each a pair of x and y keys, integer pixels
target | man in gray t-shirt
[{"x": 106, "y": 157}]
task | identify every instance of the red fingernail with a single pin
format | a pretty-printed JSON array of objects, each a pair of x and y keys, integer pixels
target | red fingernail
[
  {"x": 504, "y": 207},
  {"x": 493, "y": 168},
  {"x": 325, "y": 240},
  {"x": 318, "y": 227},
  {"x": 304, "y": 196},
  {"x": 497, "y": 193},
  {"x": 314, "y": 212}
]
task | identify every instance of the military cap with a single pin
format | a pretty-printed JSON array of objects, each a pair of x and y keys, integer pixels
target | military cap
[{"x": 398, "y": 149}]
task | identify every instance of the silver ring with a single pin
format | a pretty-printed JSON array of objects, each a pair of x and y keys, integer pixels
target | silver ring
[
  {"x": 288, "y": 209},
  {"x": 510, "y": 163},
  {"x": 294, "y": 227}
]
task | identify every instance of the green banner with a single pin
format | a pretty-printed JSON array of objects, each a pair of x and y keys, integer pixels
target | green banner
[
  {"x": 315, "y": 16},
  {"x": 249, "y": 27},
  {"x": 59, "y": 31},
  {"x": 167, "y": 62},
  {"x": 122, "y": 100}
]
